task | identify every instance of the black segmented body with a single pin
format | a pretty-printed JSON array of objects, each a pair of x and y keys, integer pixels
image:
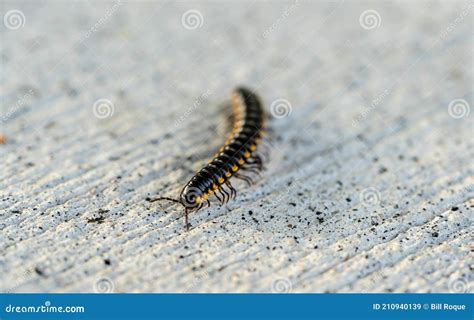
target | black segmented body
[{"x": 236, "y": 156}]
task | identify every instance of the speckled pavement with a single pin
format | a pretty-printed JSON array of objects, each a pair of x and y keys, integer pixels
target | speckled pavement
[{"x": 369, "y": 184}]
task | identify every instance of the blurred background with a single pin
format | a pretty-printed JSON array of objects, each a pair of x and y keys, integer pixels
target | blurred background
[{"x": 369, "y": 186}]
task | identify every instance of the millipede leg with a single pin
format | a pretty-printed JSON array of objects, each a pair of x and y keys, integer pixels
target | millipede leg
[
  {"x": 208, "y": 203},
  {"x": 265, "y": 152},
  {"x": 233, "y": 192},
  {"x": 253, "y": 167},
  {"x": 224, "y": 194},
  {"x": 256, "y": 160},
  {"x": 186, "y": 222},
  {"x": 251, "y": 170},
  {"x": 218, "y": 198},
  {"x": 245, "y": 178}
]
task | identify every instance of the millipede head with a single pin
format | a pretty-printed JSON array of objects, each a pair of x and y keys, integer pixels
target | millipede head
[
  {"x": 191, "y": 198},
  {"x": 187, "y": 209}
]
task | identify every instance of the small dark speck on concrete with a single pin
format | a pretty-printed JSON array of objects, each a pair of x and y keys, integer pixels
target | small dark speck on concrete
[
  {"x": 348, "y": 199},
  {"x": 454, "y": 209},
  {"x": 435, "y": 234},
  {"x": 107, "y": 262},
  {"x": 293, "y": 204},
  {"x": 39, "y": 271},
  {"x": 383, "y": 170},
  {"x": 96, "y": 220},
  {"x": 154, "y": 141},
  {"x": 72, "y": 92}
]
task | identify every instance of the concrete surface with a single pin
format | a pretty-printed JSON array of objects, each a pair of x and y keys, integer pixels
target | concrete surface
[{"x": 369, "y": 186}]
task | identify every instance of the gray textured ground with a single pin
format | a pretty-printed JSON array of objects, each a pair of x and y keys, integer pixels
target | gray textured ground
[{"x": 369, "y": 186}]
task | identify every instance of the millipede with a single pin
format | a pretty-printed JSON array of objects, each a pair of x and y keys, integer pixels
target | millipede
[{"x": 237, "y": 157}]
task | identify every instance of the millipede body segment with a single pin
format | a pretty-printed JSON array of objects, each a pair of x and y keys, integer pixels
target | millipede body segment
[{"x": 237, "y": 157}]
